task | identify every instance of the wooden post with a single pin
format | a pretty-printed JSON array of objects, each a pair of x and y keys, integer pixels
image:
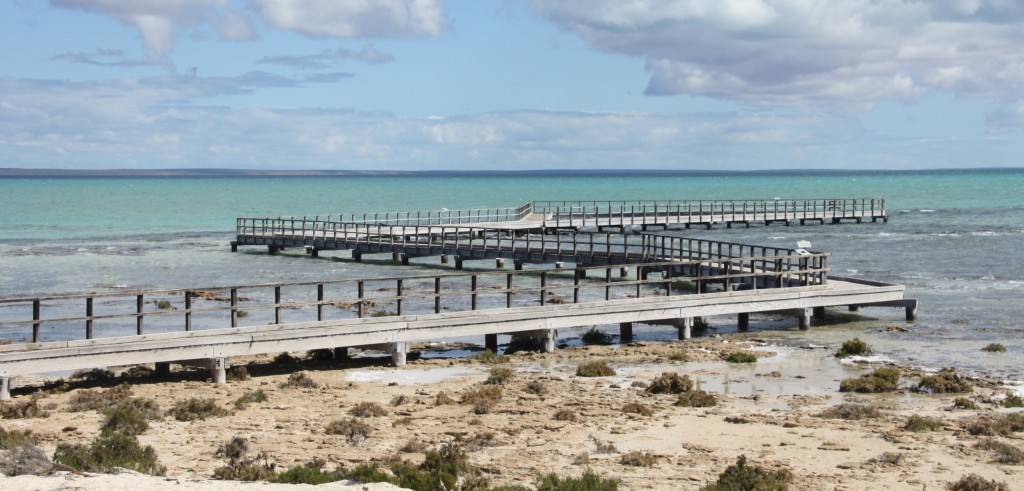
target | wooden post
[
  {"x": 437, "y": 294},
  {"x": 805, "y": 319},
  {"x": 499, "y": 263},
  {"x": 35, "y": 320},
  {"x": 399, "y": 292},
  {"x": 360, "y": 286},
  {"x": 234, "y": 307},
  {"x": 472, "y": 287},
  {"x": 188, "y": 310},
  {"x": 543, "y": 285},
  {"x": 320, "y": 302},
  {"x": 139, "y": 304},
  {"x": 491, "y": 342},
  {"x": 277, "y": 305},
  {"x": 625, "y": 332},
  {"x": 508, "y": 291},
  {"x": 88, "y": 319}
]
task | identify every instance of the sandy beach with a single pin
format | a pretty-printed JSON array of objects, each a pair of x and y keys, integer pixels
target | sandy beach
[{"x": 548, "y": 419}]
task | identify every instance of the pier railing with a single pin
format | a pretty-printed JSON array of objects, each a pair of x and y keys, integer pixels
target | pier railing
[
  {"x": 94, "y": 315},
  {"x": 576, "y": 214},
  {"x": 417, "y": 217}
]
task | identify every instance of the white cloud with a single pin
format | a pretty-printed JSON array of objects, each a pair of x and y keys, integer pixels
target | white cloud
[
  {"x": 355, "y": 18},
  {"x": 847, "y": 54}
]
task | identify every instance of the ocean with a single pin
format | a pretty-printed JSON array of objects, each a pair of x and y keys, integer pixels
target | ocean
[{"x": 954, "y": 238}]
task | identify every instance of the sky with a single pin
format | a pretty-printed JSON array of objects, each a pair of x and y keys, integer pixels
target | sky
[{"x": 511, "y": 84}]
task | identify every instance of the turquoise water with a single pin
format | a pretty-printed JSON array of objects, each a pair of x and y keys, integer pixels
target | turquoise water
[{"x": 954, "y": 239}]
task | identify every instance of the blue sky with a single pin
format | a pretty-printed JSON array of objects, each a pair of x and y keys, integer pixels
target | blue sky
[{"x": 511, "y": 84}]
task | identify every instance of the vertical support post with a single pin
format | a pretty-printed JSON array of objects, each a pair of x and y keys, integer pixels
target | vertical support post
[
  {"x": 508, "y": 291},
  {"x": 472, "y": 288},
  {"x": 805, "y": 319},
  {"x": 444, "y": 259},
  {"x": 341, "y": 353},
  {"x": 543, "y": 287},
  {"x": 398, "y": 290},
  {"x": 277, "y": 305},
  {"x": 685, "y": 330},
  {"x": 6, "y": 385},
  {"x": 398, "y": 353},
  {"x": 625, "y": 332},
  {"x": 491, "y": 342},
  {"x": 162, "y": 368},
  {"x": 219, "y": 370},
  {"x": 361, "y": 290},
  {"x": 458, "y": 262},
  {"x": 576, "y": 286},
  {"x": 499, "y": 263},
  {"x": 88, "y": 318},
  {"x": 139, "y": 304},
  {"x": 405, "y": 259},
  {"x": 743, "y": 321},
  {"x": 549, "y": 340},
  {"x": 320, "y": 302},
  {"x": 357, "y": 256},
  {"x": 518, "y": 264},
  {"x": 437, "y": 294},
  {"x": 623, "y": 272},
  {"x": 819, "y": 313},
  {"x": 854, "y": 308},
  {"x": 35, "y": 320},
  {"x": 911, "y": 310},
  {"x": 188, "y": 310},
  {"x": 234, "y": 307}
]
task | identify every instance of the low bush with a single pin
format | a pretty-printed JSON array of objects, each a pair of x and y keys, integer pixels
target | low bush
[
  {"x": 964, "y": 403},
  {"x": 197, "y": 408},
  {"x": 994, "y": 348},
  {"x": 98, "y": 399},
  {"x": 251, "y": 397},
  {"x": 25, "y": 458},
  {"x": 24, "y": 409},
  {"x": 500, "y": 376},
  {"x": 637, "y": 458},
  {"x": 238, "y": 373},
  {"x": 96, "y": 376},
  {"x": 637, "y": 408},
  {"x": 521, "y": 342},
  {"x": 443, "y": 399},
  {"x": 1004, "y": 452},
  {"x": 354, "y": 431},
  {"x": 311, "y": 473},
  {"x": 566, "y": 415},
  {"x": 594, "y": 369},
  {"x": 368, "y": 410},
  {"x": 126, "y": 419},
  {"x": 741, "y": 357},
  {"x": 888, "y": 458},
  {"x": 489, "y": 357},
  {"x": 605, "y": 447},
  {"x": 1013, "y": 400},
  {"x": 109, "y": 452},
  {"x": 945, "y": 381},
  {"x": 697, "y": 398},
  {"x": 681, "y": 357},
  {"x": 300, "y": 380},
  {"x": 285, "y": 359},
  {"x": 922, "y": 424},
  {"x": 880, "y": 380},
  {"x": 447, "y": 468},
  {"x": 850, "y": 412},
  {"x": 414, "y": 446},
  {"x": 997, "y": 426},
  {"x": 240, "y": 466},
  {"x": 536, "y": 387},
  {"x": 589, "y": 481},
  {"x": 853, "y": 347},
  {"x": 400, "y": 400},
  {"x": 596, "y": 336},
  {"x": 10, "y": 439},
  {"x": 742, "y": 476},
  {"x": 974, "y": 482},
  {"x": 483, "y": 399},
  {"x": 670, "y": 383}
]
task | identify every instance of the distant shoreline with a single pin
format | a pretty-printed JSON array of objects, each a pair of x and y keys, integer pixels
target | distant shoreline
[{"x": 150, "y": 173}]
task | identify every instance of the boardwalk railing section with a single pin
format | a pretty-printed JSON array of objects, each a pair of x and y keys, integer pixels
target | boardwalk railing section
[
  {"x": 413, "y": 218},
  {"x": 703, "y": 267}
]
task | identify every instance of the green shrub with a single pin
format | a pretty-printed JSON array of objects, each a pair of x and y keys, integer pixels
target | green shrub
[
  {"x": 596, "y": 336},
  {"x": 500, "y": 376},
  {"x": 697, "y": 398},
  {"x": 24, "y": 409},
  {"x": 638, "y": 459},
  {"x": 240, "y": 466},
  {"x": 368, "y": 410},
  {"x": 125, "y": 418},
  {"x": 311, "y": 472},
  {"x": 741, "y": 357},
  {"x": 880, "y": 380},
  {"x": 162, "y": 304},
  {"x": 945, "y": 381},
  {"x": 489, "y": 357},
  {"x": 853, "y": 347},
  {"x": 741, "y": 476},
  {"x": 994, "y": 348},
  {"x": 1004, "y": 452},
  {"x": 589, "y": 481},
  {"x": 921, "y": 424},
  {"x": 196, "y": 408},
  {"x": 964, "y": 403},
  {"x": 670, "y": 383},
  {"x": 851, "y": 412},
  {"x": 483, "y": 399},
  {"x": 10, "y": 439},
  {"x": 98, "y": 399},
  {"x": 1000, "y": 425},
  {"x": 594, "y": 369},
  {"x": 974, "y": 482},
  {"x": 354, "y": 431},
  {"x": 108, "y": 452},
  {"x": 251, "y": 397},
  {"x": 1013, "y": 400}
]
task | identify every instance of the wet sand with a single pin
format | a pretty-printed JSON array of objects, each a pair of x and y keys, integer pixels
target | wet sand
[{"x": 768, "y": 411}]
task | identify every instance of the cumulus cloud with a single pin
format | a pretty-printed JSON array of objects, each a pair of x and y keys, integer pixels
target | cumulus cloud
[
  {"x": 355, "y": 18},
  {"x": 158, "y": 21},
  {"x": 368, "y": 54},
  {"x": 849, "y": 54}
]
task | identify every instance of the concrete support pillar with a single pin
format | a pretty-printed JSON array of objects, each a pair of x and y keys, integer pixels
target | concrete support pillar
[
  {"x": 625, "y": 332},
  {"x": 911, "y": 310},
  {"x": 559, "y": 265},
  {"x": 805, "y": 319},
  {"x": 854, "y": 308},
  {"x": 6, "y": 385},
  {"x": 314, "y": 252},
  {"x": 491, "y": 342},
  {"x": 458, "y": 262},
  {"x": 499, "y": 263},
  {"x": 819, "y": 313},
  {"x": 234, "y": 246},
  {"x": 218, "y": 370},
  {"x": 162, "y": 369},
  {"x": 357, "y": 256},
  {"x": 404, "y": 258},
  {"x": 272, "y": 250},
  {"x": 341, "y": 354},
  {"x": 518, "y": 264},
  {"x": 685, "y": 328},
  {"x": 743, "y": 321},
  {"x": 444, "y": 259},
  {"x": 398, "y": 352},
  {"x": 582, "y": 273},
  {"x": 549, "y": 340},
  {"x": 623, "y": 272},
  {"x": 395, "y": 256}
]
